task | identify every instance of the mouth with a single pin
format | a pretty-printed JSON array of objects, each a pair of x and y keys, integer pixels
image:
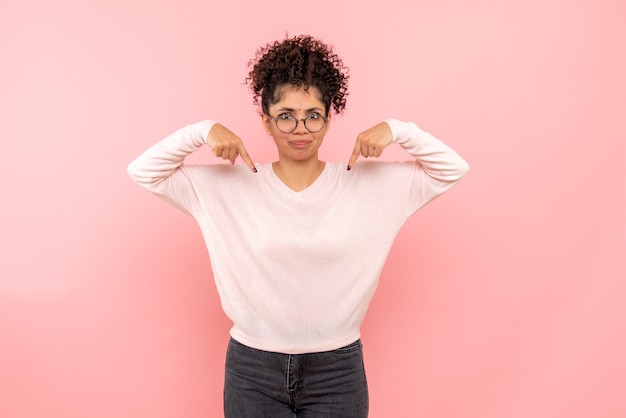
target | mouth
[{"x": 299, "y": 143}]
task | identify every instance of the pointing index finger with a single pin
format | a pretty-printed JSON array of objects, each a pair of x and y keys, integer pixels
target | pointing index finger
[
  {"x": 246, "y": 158},
  {"x": 355, "y": 155}
]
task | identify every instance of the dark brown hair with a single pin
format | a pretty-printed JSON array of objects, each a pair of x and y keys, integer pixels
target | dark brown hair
[{"x": 299, "y": 61}]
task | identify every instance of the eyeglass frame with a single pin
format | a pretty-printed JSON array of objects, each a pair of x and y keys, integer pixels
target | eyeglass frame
[{"x": 275, "y": 119}]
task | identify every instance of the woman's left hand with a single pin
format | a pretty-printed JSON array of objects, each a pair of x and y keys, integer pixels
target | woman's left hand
[{"x": 371, "y": 143}]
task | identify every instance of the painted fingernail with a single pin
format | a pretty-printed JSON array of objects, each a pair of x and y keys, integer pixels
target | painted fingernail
[
  {"x": 349, "y": 168},
  {"x": 254, "y": 169}
]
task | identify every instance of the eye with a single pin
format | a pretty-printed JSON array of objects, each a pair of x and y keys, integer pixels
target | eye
[
  {"x": 314, "y": 115},
  {"x": 284, "y": 116}
]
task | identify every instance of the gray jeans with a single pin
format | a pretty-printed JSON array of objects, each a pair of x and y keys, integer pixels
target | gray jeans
[{"x": 263, "y": 384}]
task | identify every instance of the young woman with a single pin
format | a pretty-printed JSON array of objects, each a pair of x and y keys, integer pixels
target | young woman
[{"x": 297, "y": 245}]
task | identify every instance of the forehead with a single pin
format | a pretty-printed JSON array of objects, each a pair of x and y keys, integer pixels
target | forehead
[{"x": 298, "y": 98}]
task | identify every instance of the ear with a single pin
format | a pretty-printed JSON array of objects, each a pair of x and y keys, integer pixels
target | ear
[
  {"x": 329, "y": 118},
  {"x": 266, "y": 121}
]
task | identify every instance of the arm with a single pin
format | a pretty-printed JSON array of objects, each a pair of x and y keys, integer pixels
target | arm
[
  {"x": 159, "y": 162},
  {"x": 436, "y": 167},
  {"x": 437, "y": 159},
  {"x": 160, "y": 168}
]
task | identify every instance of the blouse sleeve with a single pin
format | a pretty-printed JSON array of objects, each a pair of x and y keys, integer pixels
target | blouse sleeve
[
  {"x": 161, "y": 169},
  {"x": 437, "y": 166}
]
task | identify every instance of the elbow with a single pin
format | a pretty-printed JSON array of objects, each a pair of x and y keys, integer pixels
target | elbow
[
  {"x": 461, "y": 168},
  {"x": 138, "y": 174},
  {"x": 132, "y": 171}
]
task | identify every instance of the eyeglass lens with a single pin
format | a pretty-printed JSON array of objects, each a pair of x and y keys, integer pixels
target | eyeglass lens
[{"x": 311, "y": 123}]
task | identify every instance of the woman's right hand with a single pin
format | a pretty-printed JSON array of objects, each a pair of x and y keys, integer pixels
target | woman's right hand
[{"x": 228, "y": 146}]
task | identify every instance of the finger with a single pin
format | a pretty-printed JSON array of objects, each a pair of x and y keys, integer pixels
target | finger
[
  {"x": 232, "y": 155},
  {"x": 246, "y": 158},
  {"x": 367, "y": 150},
  {"x": 355, "y": 155}
]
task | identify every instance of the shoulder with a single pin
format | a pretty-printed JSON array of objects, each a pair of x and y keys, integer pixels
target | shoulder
[
  {"x": 383, "y": 168},
  {"x": 222, "y": 172}
]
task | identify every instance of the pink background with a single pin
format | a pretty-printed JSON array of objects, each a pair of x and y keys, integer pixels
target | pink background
[{"x": 503, "y": 298}]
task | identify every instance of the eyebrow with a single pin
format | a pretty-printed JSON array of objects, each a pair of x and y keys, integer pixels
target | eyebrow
[{"x": 289, "y": 109}]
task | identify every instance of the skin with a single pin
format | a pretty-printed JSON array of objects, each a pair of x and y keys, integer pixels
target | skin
[{"x": 298, "y": 162}]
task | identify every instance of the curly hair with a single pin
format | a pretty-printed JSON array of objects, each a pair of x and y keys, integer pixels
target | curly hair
[{"x": 298, "y": 61}]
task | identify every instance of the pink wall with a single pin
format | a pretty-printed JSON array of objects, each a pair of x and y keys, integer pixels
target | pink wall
[{"x": 504, "y": 298}]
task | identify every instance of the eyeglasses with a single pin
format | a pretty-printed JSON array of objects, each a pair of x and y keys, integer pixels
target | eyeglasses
[{"x": 287, "y": 123}]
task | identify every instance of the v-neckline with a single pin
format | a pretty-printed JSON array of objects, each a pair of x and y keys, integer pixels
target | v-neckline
[{"x": 310, "y": 190}]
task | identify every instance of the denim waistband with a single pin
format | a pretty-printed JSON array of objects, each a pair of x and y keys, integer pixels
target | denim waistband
[{"x": 356, "y": 345}]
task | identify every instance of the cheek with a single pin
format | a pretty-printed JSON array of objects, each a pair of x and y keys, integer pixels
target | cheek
[
  {"x": 279, "y": 137},
  {"x": 323, "y": 133}
]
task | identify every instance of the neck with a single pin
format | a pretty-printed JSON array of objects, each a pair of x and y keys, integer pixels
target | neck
[{"x": 298, "y": 175}]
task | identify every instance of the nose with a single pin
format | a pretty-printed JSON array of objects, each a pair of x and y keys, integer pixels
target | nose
[{"x": 300, "y": 128}]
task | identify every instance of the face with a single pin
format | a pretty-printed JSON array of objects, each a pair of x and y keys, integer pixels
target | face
[{"x": 297, "y": 103}]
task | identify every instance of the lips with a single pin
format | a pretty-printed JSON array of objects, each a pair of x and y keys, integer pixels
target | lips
[{"x": 300, "y": 143}]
